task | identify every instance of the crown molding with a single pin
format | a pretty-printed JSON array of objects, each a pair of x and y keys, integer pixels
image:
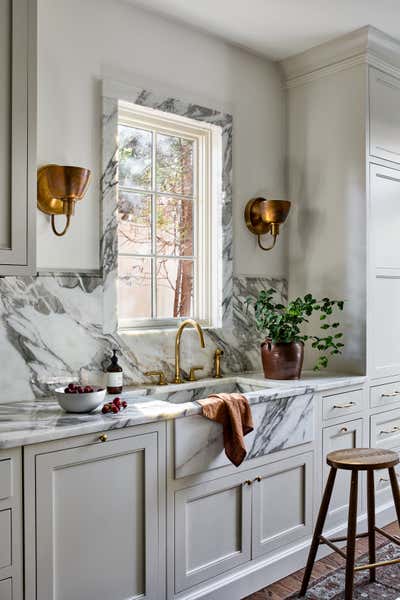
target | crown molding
[{"x": 362, "y": 46}]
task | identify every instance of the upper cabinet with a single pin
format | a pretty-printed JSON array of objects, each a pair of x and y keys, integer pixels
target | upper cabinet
[
  {"x": 17, "y": 136},
  {"x": 384, "y": 99}
]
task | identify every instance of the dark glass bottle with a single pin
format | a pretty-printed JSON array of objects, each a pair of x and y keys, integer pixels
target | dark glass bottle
[{"x": 114, "y": 376}]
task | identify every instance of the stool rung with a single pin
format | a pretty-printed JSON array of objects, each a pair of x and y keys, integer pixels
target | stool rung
[
  {"x": 328, "y": 542},
  {"x": 344, "y": 537},
  {"x": 383, "y": 563},
  {"x": 392, "y": 538}
]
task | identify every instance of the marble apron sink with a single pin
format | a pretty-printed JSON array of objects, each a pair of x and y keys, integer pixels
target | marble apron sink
[{"x": 282, "y": 419}]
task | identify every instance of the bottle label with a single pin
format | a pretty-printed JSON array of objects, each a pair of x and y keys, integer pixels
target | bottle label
[{"x": 114, "y": 379}]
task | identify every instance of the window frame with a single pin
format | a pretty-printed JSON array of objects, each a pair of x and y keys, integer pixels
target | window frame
[{"x": 207, "y": 198}]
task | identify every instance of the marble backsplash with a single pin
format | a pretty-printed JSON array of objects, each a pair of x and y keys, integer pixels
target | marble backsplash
[{"x": 51, "y": 332}]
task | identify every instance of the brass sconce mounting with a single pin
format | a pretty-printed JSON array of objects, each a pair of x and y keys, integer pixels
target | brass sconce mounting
[
  {"x": 58, "y": 188},
  {"x": 265, "y": 216}
]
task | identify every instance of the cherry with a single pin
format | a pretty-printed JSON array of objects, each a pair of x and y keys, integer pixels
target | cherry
[
  {"x": 115, "y": 409},
  {"x": 124, "y": 404}
]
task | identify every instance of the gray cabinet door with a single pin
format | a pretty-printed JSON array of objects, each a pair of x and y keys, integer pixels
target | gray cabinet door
[
  {"x": 338, "y": 437},
  {"x": 97, "y": 521},
  {"x": 212, "y": 529},
  {"x": 282, "y": 503},
  {"x": 17, "y": 136}
]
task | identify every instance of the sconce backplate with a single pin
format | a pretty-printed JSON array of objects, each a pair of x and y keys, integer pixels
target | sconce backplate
[
  {"x": 46, "y": 202},
  {"x": 252, "y": 216}
]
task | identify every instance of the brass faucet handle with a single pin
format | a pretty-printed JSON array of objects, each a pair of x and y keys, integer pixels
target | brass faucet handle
[
  {"x": 192, "y": 373},
  {"x": 162, "y": 380},
  {"x": 217, "y": 363}
]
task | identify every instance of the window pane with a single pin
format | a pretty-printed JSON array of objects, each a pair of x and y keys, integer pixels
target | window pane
[
  {"x": 174, "y": 288},
  {"x": 134, "y": 168},
  {"x": 134, "y": 223},
  {"x": 134, "y": 291},
  {"x": 174, "y": 226},
  {"x": 174, "y": 167}
]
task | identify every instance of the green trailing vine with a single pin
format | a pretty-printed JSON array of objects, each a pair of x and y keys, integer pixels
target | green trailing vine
[{"x": 283, "y": 324}]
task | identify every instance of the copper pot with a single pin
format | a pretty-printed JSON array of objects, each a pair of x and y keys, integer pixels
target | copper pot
[{"x": 282, "y": 360}]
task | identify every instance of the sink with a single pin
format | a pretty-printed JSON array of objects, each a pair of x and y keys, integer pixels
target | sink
[{"x": 188, "y": 392}]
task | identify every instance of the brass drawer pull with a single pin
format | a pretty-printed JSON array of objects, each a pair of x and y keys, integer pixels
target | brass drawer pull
[
  {"x": 348, "y": 405},
  {"x": 343, "y": 430},
  {"x": 388, "y": 431},
  {"x": 248, "y": 482},
  {"x": 391, "y": 394},
  {"x": 258, "y": 478},
  {"x": 103, "y": 437}
]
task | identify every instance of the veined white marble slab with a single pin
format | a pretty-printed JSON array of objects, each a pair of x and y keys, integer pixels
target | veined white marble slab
[
  {"x": 33, "y": 421},
  {"x": 279, "y": 423}
]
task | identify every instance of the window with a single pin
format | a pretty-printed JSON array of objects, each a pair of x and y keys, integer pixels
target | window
[{"x": 168, "y": 213}]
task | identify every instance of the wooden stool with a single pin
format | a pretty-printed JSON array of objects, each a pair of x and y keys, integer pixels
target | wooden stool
[{"x": 362, "y": 459}]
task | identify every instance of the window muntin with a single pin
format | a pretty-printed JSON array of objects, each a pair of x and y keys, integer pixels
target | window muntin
[{"x": 165, "y": 219}]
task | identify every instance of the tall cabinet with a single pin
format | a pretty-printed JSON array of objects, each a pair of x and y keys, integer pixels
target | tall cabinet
[
  {"x": 17, "y": 136},
  {"x": 344, "y": 181},
  {"x": 343, "y": 105}
]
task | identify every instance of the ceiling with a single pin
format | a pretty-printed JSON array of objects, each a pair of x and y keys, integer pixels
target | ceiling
[{"x": 279, "y": 28}]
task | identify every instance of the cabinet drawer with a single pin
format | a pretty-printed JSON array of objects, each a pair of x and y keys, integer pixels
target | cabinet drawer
[
  {"x": 385, "y": 429},
  {"x": 341, "y": 405},
  {"x": 5, "y": 479},
  {"x": 5, "y": 539},
  {"x": 5, "y": 589},
  {"x": 384, "y": 395}
]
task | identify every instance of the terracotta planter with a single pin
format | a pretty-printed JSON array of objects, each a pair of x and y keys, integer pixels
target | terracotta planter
[{"x": 282, "y": 360}]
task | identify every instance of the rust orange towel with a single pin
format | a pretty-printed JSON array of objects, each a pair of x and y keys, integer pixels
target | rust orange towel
[{"x": 234, "y": 413}]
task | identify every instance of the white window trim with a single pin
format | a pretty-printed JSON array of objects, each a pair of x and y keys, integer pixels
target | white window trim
[{"x": 207, "y": 297}]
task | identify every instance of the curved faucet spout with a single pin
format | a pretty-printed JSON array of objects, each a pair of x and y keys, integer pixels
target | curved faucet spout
[{"x": 197, "y": 327}]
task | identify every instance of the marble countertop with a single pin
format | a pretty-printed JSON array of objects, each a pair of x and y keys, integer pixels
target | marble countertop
[{"x": 23, "y": 423}]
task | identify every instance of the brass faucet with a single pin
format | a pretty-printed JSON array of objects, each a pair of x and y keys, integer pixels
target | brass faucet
[
  {"x": 217, "y": 363},
  {"x": 186, "y": 323}
]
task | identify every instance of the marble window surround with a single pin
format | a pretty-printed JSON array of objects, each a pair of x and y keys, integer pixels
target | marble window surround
[
  {"x": 113, "y": 92},
  {"x": 56, "y": 327}
]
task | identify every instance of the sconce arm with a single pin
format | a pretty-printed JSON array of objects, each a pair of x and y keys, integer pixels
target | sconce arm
[
  {"x": 53, "y": 225},
  {"x": 269, "y": 247}
]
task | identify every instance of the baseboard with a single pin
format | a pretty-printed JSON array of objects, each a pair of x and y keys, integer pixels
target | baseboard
[{"x": 258, "y": 574}]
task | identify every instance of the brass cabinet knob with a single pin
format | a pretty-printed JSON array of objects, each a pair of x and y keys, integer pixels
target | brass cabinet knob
[
  {"x": 248, "y": 482},
  {"x": 344, "y": 430},
  {"x": 103, "y": 437},
  {"x": 258, "y": 478}
]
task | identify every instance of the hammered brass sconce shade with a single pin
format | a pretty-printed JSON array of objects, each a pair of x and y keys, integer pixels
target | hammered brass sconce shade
[
  {"x": 58, "y": 189},
  {"x": 265, "y": 216}
]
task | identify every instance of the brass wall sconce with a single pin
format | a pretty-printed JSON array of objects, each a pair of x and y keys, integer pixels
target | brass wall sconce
[
  {"x": 58, "y": 188},
  {"x": 265, "y": 216}
]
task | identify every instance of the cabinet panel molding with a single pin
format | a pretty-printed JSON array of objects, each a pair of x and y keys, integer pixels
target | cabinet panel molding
[
  {"x": 384, "y": 115},
  {"x": 282, "y": 504},
  {"x": 18, "y": 155},
  {"x": 212, "y": 529},
  {"x": 107, "y": 496}
]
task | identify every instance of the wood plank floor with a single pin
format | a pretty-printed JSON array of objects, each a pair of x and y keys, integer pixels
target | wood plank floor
[{"x": 291, "y": 584}]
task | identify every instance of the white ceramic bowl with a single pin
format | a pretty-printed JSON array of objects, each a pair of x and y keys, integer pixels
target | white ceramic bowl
[{"x": 79, "y": 403}]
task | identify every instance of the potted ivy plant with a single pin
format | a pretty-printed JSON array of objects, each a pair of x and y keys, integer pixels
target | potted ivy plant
[{"x": 282, "y": 351}]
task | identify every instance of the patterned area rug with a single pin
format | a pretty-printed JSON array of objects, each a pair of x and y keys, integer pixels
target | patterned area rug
[{"x": 387, "y": 586}]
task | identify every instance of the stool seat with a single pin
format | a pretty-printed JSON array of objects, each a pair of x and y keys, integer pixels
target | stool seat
[{"x": 363, "y": 459}]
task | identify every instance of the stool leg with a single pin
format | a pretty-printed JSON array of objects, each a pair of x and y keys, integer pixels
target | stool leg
[
  {"x": 351, "y": 537},
  {"x": 318, "y": 530},
  {"x": 395, "y": 491},
  {"x": 371, "y": 522}
]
